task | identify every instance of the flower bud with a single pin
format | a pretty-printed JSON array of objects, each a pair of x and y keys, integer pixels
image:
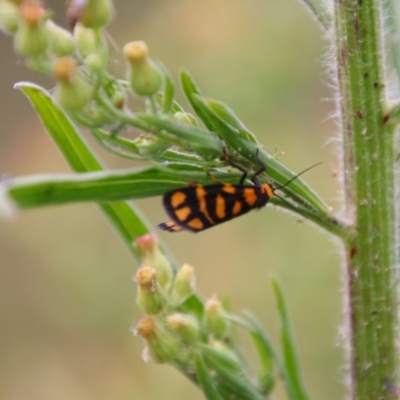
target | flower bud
[
  {"x": 92, "y": 13},
  {"x": 214, "y": 319},
  {"x": 61, "y": 41},
  {"x": 183, "y": 286},
  {"x": 118, "y": 98},
  {"x": 87, "y": 40},
  {"x": 149, "y": 297},
  {"x": 153, "y": 257},
  {"x": 149, "y": 146},
  {"x": 227, "y": 352},
  {"x": 9, "y": 17},
  {"x": 162, "y": 344},
  {"x": 186, "y": 326},
  {"x": 96, "y": 62},
  {"x": 31, "y": 38},
  {"x": 92, "y": 47},
  {"x": 144, "y": 76},
  {"x": 72, "y": 91},
  {"x": 185, "y": 118}
]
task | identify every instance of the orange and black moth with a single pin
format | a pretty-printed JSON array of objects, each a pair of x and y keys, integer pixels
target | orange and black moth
[{"x": 198, "y": 207}]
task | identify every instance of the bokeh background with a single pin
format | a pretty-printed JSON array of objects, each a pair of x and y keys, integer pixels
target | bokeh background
[{"x": 67, "y": 301}]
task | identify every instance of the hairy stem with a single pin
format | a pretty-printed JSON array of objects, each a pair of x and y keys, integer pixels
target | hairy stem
[{"x": 368, "y": 146}]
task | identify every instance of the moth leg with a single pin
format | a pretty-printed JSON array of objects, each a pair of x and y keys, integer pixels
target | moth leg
[{"x": 262, "y": 169}]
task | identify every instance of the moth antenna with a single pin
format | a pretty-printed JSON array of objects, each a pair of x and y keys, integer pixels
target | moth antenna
[{"x": 295, "y": 177}]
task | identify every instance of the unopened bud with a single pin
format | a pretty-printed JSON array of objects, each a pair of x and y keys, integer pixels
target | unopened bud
[
  {"x": 87, "y": 40},
  {"x": 96, "y": 62},
  {"x": 61, "y": 41},
  {"x": 118, "y": 98},
  {"x": 186, "y": 326},
  {"x": 214, "y": 319},
  {"x": 149, "y": 146},
  {"x": 184, "y": 285},
  {"x": 92, "y": 47},
  {"x": 153, "y": 257},
  {"x": 31, "y": 38},
  {"x": 91, "y": 13},
  {"x": 32, "y": 13},
  {"x": 9, "y": 17},
  {"x": 144, "y": 76},
  {"x": 226, "y": 351},
  {"x": 149, "y": 297},
  {"x": 185, "y": 118},
  {"x": 72, "y": 90},
  {"x": 163, "y": 345}
]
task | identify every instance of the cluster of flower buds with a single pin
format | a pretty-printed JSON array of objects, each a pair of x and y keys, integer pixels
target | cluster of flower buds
[
  {"x": 78, "y": 60},
  {"x": 172, "y": 329}
]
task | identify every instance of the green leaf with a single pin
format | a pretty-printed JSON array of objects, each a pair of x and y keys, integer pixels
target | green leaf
[
  {"x": 206, "y": 379},
  {"x": 230, "y": 117},
  {"x": 236, "y": 383},
  {"x": 218, "y": 118},
  {"x": 202, "y": 140},
  {"x": 73, "y": 147},
  {"x": 224, "y": 360},
  {"x": 193, "y": 306},
  {"x": 248, "y": 148},
  {"x": 128, "y": 221},
  {"x": 190, "y": 89},
  {"x": 291, "y": 361},
  {"x": 264, "y": 348},
  {"x": 117, "y": 145},
  {"x": 169, "y": 89},
  {"x": 103, "y": 186},
  {"x": 298, "y": 190}
]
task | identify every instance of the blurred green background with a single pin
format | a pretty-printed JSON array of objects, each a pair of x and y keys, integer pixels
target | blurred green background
[{"x": 67, "y": 301}]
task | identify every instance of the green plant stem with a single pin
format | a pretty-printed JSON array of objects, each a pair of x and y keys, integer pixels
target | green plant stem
[{"x": 368, "y": 145}]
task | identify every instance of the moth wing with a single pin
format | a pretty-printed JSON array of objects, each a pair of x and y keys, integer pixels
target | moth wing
[
  {"x": 169, "y": 226},
  {"x": 198, "y": 207}
]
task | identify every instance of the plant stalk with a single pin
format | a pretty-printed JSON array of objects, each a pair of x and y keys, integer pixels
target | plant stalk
[{"x": 368, "y": 148}]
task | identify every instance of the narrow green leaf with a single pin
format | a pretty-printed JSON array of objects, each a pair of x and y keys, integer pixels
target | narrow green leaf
[
  {"x": 235, "y": 382},
  {"x": 197, "y": 137},
  {"x": 222, "y": 359},
  {"x": 128, "y": 221},
  {"x": 194, "y": 306},
  {"x": 298, "y": 190},
  {"x": 73, "y": 147},
  {"x": 225, "y": 131},
  {"x": 265, "y": 350},
  {"x": 128, "y": 148},
  {"x": 190, "y": 89},
  {"x": 230, "y": 117},
  {"x": 205, "y": 378},
  {"x": 168, "y": 95},
  {"x": 103, "y": 186},
  {"x": 291, "y": 361}
]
